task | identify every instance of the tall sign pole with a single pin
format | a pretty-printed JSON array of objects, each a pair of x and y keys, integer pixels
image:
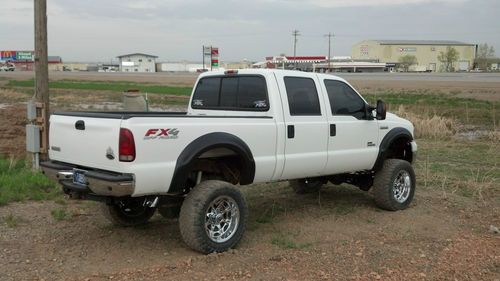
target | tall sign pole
[
  {"x": 42, "y": 72},
  {"x": 203, "y": 54},
  {"x": 329, "y": 35}
]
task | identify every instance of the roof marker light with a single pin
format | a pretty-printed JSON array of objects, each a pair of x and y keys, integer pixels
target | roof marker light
[{"x": 231, "y": 72}]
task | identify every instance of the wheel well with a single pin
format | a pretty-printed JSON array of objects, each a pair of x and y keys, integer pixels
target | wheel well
[
  {"x": 217, "y": 156},
  {"x": 395, "y": 145},
  {"x": 400, "y": 148},
  {"x": 220, "y": 163}
]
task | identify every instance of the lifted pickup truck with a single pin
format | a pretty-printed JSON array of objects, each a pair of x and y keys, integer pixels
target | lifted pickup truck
[{"x": 241, "y": 127}]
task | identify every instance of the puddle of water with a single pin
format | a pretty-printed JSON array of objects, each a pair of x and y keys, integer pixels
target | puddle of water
[{"x": 473, "y": 135}]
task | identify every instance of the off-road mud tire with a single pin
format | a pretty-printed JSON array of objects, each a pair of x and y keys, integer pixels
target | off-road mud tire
[
  {"x": 384, "y": 184},
  {"x": 115, "y": 214},
  {"x": 194, "y": 212}
]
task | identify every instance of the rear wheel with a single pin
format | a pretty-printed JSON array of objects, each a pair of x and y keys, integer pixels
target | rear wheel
[
  {"x": 394, "y": 185},
  {"x": 128, "y": 212},
  {"x": 213, "y": 217},
  {"x": 303, "y": 186}
]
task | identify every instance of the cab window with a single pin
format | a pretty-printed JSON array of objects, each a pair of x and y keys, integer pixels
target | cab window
[
  {"x": 302, "y": 96},
  {"x": 344, "y": 100}
]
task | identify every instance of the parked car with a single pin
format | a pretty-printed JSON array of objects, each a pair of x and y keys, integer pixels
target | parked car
[
  {"x": 241, "y": 127},
  {"x": 7, "y": 67}
]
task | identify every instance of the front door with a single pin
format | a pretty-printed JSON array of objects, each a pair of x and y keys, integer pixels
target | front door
[{"x": 353, "y": 141}]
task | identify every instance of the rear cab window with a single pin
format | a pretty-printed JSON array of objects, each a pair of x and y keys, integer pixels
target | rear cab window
[{"x": 239, "y": 93}]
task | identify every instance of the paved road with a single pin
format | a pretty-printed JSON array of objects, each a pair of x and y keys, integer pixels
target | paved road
[
  {"x": 160, "y": 76},
  {"x": 438, "y": 77}
]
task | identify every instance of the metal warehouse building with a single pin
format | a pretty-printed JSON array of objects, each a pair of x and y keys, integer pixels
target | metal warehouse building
[
  {"x": 137, "y": 62},
  {"x": 426, "y": 52}
]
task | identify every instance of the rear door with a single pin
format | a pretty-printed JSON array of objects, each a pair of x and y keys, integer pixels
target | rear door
[{"x": 305, "y": 125}]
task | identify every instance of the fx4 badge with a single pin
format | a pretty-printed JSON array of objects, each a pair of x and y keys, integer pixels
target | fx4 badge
[{"x": 170, "y": 133}]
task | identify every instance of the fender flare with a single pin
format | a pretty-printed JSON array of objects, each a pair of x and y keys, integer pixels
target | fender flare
[
  {"x": 204, "y": 144},
  {"x": 385, "y": 144}
]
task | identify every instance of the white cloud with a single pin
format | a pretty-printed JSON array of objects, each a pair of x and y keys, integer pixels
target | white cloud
[{"x": 356, "y": 3}]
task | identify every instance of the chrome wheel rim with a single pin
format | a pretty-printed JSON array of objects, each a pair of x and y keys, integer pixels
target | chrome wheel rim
[
  {"x": 402, "y": 186},
  {"x": 222, "y": 219}
]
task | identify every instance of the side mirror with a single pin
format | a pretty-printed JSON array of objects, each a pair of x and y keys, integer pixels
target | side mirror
[{"x": 381, "y": 110}]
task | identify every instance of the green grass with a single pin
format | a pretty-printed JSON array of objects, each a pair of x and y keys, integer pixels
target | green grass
[
  {"x": 270, "y": 214},
  {"x": 59, "y": 214},
  {"x": 467, "y": 168},
  {"x": 465, "y": 110},
  {"x": 107, "y": 86},
  {"x": 18, "y": 183},
  {"x": 11, "y": 221}
]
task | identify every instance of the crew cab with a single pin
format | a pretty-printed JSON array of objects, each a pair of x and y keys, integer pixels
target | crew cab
[{"x": 242, "y": 127}]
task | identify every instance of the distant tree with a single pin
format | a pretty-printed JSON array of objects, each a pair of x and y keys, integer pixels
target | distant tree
[
  {"x": 406, "y": 61},
  {"x": 485, "y": 54},
  {"x": 448, "y": 57}
]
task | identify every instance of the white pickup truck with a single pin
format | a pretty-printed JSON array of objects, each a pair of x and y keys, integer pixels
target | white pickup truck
[{"x": 242, "y": 127}]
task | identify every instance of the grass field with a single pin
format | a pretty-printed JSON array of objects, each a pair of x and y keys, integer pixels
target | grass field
[
  {"x": 18, "y": 183},
  {"x": 113, "y": 86},
  {"x": 454, "y": 133}
]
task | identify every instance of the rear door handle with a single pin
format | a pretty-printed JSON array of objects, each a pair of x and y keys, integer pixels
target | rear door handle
[
  {"x": 291, "y": 131},
  {"x": 333, "y": 130}
]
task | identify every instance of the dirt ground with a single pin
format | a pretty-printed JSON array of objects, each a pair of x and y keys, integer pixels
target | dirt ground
[
  {"x": 337, "y": 235},
  {"x": 342, "y": 237}
]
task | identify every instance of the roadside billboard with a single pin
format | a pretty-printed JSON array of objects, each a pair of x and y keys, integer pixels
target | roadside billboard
[
  {"x": 16, "y": 55},
  {"x": 23, "y": 55},
  {"x": 8, "y": 55}
]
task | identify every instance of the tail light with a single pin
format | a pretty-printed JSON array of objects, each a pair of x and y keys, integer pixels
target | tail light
[{"x": 127, "y": 146}]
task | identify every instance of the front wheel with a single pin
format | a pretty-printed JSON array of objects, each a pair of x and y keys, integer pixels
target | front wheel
[
  {"x": 213, "y": 217},
  {"x": 394, "y": 185},
  {"x": 128, "y": 212}
]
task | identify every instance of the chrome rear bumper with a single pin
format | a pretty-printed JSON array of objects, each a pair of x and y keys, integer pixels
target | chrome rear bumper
[{"x": 102, "y": 183}]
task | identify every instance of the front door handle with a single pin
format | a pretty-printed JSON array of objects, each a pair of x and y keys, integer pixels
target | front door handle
[
  {"x": 333, "y": 130},
  {"x": 80, "y": 125},
  {"x": 291, "y": 131}
]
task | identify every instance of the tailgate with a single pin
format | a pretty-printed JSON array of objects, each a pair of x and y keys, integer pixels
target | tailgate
[{"x": 85, "y": 141}]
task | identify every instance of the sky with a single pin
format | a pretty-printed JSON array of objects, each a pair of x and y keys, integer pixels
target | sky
[{"x": 176, "y": 30}]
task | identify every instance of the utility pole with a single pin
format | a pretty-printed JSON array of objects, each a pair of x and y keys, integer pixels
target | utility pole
[
  {"x": 329, "y": 35},
  {"x": 295, "y": 33},
  {"x": 42, "y": 72}
]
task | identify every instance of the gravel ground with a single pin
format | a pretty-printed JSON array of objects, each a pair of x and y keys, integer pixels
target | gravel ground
[{"x": 346, "y": 238}]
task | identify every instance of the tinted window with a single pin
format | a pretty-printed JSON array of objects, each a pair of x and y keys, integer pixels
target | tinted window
[
  {"x": 233, "y": 93},
  {"x": 228, "y": 92},
  {"x": 207, "y": 93},
  {"x": 302, "y": 96},
  {"x": 344, "y": 100},
  {"x": 252, "y": 92}
]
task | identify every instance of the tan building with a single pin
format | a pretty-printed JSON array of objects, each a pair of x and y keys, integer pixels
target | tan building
[{"x": 426, "y": 52}]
